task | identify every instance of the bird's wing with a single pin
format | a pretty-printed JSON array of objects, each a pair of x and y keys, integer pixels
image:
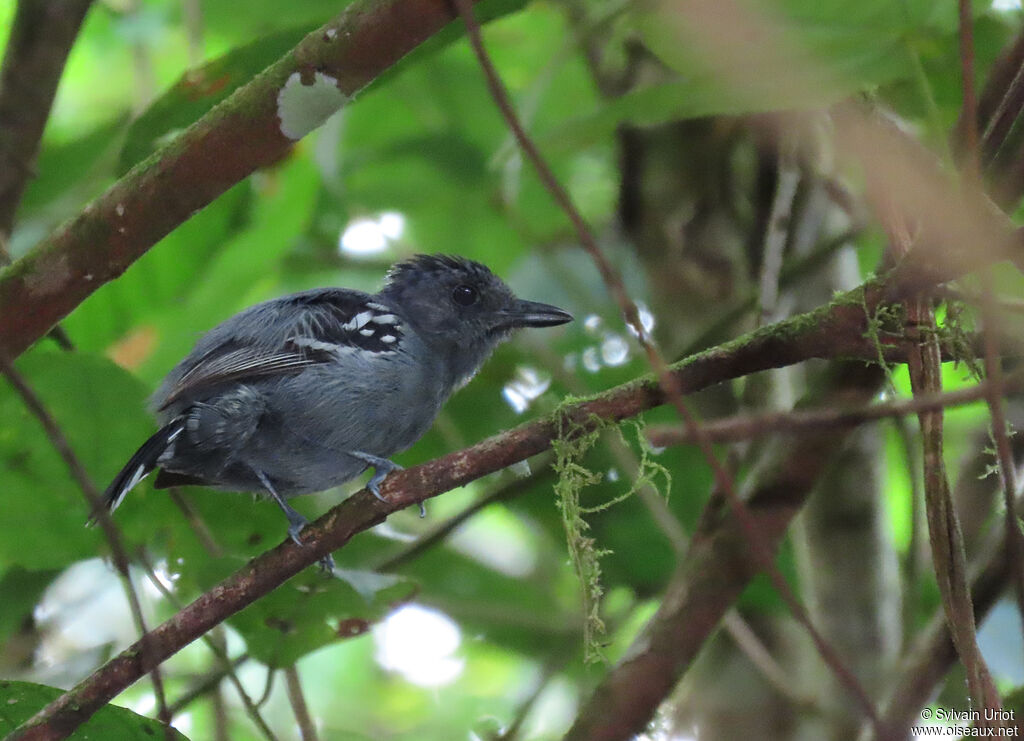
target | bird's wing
[
  {"x": 231, "y": 362},
  {"x": 294, "y": 332}
]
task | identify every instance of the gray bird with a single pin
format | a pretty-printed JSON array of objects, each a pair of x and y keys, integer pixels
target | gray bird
[{"x": 304, "y": 392}]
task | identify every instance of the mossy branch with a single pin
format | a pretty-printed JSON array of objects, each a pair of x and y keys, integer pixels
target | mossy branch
[
  {"x": 238, "y": 136},
  {"x": 834, "y": 330}
]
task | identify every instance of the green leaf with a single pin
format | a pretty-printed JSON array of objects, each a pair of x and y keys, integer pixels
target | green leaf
[
  {"x": 69, "y": 166},
  {"x": 313, "y": 610},
  {"x": 100, "y": 410},
  {"x": 21, "y": 590},
  {"x": 484, "y": 12},
  {"x": 19, "y": 701},
  {"x": 128, "y": 308},
  {"x": 836, "y": 47},
  {"x": 199, "y": 90},
  {"x": 243, "y": 268}
]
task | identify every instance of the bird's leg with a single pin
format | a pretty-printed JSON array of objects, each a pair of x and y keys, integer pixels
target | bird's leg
[
  {"x": 381, "y": 468},
  {"x": 296, "y": 522}
]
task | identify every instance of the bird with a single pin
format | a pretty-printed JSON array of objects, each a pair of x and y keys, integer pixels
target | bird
[{"x": 305, "y": 392}]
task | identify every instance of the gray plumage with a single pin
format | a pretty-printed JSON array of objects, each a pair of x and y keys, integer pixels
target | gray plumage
[{"x": 304, "y": 392}]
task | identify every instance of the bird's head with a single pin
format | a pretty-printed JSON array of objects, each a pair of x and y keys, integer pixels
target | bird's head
[{"x": 460, "y": 305}]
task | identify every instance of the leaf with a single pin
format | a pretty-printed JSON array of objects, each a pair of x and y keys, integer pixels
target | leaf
[
  {"x": 850, "y": 50},
  {"x": 67, "y": 166},
  {"x": 21, "y": 590},
  {"x": 100, "y": 409},
  {"x": 484, "y": 12},
  {"x": 242, "y": 269},
  {"x": 19, "y": 701},
  {"x": 199, "y": 90},
  {"x": 127, "y": 307},
  {"x": 313, "y": 610}
]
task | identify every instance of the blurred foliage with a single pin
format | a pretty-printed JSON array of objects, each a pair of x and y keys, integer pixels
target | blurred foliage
[
  {"x": 425, "y": 142},
  {"x": 18, "y": 700}
]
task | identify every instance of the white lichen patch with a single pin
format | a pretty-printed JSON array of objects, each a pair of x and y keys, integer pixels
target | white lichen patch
[{"x": 302, "y": 107}]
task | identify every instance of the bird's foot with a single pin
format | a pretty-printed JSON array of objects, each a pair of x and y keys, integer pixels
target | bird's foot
[
  {"x": 381, "y": 468},
  {"x": 296, "y": 522}
]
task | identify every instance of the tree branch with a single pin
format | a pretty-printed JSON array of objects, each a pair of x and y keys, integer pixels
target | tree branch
[
  {"x": 716, "y": 569},
  {"x": 667, "y": 381},
  {"x": 238, "y": 136},
  {"x": 41, "y": 37},
  {"x": 119, "y": 554},
  {"x": 748, "y": 426},
  {"x": 933, "y": 652},
  {"x": 837, "y": 328}
]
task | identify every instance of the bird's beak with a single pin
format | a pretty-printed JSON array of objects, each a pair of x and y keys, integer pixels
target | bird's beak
[{"x": 535, "y": 314}]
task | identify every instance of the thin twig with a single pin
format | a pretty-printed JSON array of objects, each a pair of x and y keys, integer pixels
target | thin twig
[
  {"x": 1004, "y": 452},
  {"x": 758, "y": 654},
  {"x": 745, "y": 427},
  {"x": 202, "y": 531},
  {"x": 207, "y": 684},
  {"x": 668, "y": 382},
  {"x": 779, "y": 220},
  {"x": 944, "y": 533},
  {"x": 928, "y": 660},
  {"x": 227, "y": 665},
  {"x": 307, "y": 731},
  {"x": 42, "y": 34},
  {"x": 971, "y": 165},
  {"x": 94, "y": 500},
  {"x": 834, "y": 330},
  {"x": 442, "y": 530}
]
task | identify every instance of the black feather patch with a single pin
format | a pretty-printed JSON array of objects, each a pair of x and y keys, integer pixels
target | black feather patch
[{"x": 338, "y": 320}]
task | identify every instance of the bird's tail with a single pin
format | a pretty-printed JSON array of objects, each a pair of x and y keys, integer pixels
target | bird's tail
[{"x": 140, "y": 465}]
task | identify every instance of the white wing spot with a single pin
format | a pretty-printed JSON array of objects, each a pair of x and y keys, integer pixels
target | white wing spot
[
  {"x": 366, "y": 332},
  {"x": 386, "y": 319},
  {"x": 388, "y": 339},
  {"x": 317, "y": 344},
  {"x": 358, "y": 321}
]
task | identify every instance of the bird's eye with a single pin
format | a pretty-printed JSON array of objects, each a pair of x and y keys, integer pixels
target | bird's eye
[{"x": 465, "y": 295}]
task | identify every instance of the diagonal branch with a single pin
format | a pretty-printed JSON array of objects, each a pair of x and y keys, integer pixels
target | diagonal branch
[
  {"x": 717, "y": 567},
  {"x": 830, "y": 331},
  {"x": 667, "y": 381},
  {"x": 241, "y": 134},
  {"x": 92, "y": 496},
  {"x": 934, "y": 652},
  {"x": 943, "y": 526},
  {"x": 41, "y": 37},
  {"x": 748, "y": 426}
]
